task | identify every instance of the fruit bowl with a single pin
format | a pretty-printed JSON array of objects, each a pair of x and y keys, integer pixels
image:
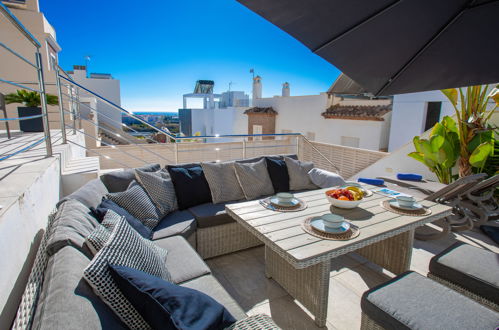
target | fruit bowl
[{"x": 343, "y": 198}]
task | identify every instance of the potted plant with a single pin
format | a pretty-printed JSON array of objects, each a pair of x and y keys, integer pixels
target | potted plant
[{"x": 31, "y": 102}]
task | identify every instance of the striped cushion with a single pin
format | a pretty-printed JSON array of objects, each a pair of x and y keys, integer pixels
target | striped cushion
[
  {"x": 125, "y": 247},
  {"x": 298, "y": 174},
  {"x": 98, "y": 238},
  {"x": 254, "y": 179},
  {"x": 223, "y": 182},
  {"x": 136, "y": 201},
  {"x": 159, "y": 187}
]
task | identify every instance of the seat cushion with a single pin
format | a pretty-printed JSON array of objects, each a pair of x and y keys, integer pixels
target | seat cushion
[
  {"x": 67, "y": 301},
  {"x": 279, "y": 175},
  {"x": 90, "y": 194},
  {"x": 209, "y": 215},
  {"x": 183, "y": 262},
  {"x": 472, "y": 268},
  {"x": 72, "y": 224},
  {"x": 190, "y": 185},
  {"x": 209, "y": 285},
  {"x": 413, "y": 301},
  {"x": 120, "y": 180},
  {"x": 180, "y": 223}
]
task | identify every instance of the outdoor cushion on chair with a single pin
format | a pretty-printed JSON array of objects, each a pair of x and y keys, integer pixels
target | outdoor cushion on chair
[
  {"x": 209, "y": 215},
  {"x": 119, "y": 180},
  {"x": 190, "y": 185},
  {"x": 413, "y": 301},
  {"x": 470, "y": 267},
  {"x": 183, "y": 262},
  {"x": 279, "y": 175},
  {"x": 90, "y": 194},
  {"x": 67, "y": 301},
  {"x": 176, "y": 223}
]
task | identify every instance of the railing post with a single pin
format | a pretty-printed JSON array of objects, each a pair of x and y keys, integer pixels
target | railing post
[
  {"x": 78, "y": 107},
  {"x": 43, "y": 102},
  {"x": 61, "y": 106},
  {"x": 176, "y": 152},
  {"x": 298, "y": 145},
  {"x": 244, "y": 147},
  {"x": 4, "y": 109},
  {"x": 73, "y": 107}
]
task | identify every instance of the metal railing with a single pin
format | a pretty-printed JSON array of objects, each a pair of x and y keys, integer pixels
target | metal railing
[
  {"x": 38, "y": 66},
  {"x": 177, "y": 148}
]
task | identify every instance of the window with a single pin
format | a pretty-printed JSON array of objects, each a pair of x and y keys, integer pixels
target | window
[
  {"x": 258, "y": 129},
  {"x": 350, "y": 141},
  {"x": 432, "y": 114}
]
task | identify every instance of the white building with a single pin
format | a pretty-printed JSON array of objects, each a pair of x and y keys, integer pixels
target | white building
[
  {"x": 221, "y": 113},
  {"x": 342, "y": 116},
  {"x": 104, "y": 85}
]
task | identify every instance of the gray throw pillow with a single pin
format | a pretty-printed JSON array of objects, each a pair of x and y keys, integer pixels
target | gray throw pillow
[
  {"x": 298, "y": 174},
  {"x": 99, "y": 237},
  {"x": 325, "y": 179},
  {"x": 136, "y": 201},
  {"x": 223, "y": 182},
  {"x": 117, "y": 181},
  {"x": 254, "y": 179},
  {"x": 159, "y": 187},
  {"x": 125, "y": 247}
]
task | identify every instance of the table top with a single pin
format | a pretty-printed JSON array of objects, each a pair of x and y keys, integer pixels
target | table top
[{"x": 282, "y": 231}]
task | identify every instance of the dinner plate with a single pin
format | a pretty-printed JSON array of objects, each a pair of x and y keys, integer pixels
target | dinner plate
[
  {"x": 294, "y": 202},
  {"x": 319, "y": 224},
  {"x": 414, "y": 207}
]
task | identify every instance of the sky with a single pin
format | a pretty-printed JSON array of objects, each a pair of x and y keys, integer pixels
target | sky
[{"x": 159, "y": 51}]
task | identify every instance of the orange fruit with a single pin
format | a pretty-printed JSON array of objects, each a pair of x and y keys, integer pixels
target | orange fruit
[{"x": 343, "y": 198}]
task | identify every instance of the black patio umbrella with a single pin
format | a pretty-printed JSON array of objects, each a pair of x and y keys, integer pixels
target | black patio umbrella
[{"x": 396, "y": 46}]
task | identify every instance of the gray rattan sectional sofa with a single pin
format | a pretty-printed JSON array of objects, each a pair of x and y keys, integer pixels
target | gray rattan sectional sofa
[{"x": 57, "y": 297}]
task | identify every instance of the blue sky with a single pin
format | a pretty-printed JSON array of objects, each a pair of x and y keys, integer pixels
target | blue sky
[{"x": 159, "y": 51}]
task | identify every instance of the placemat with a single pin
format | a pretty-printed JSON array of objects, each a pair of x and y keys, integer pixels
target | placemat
[
  {"x": 268, "y": 205},
  {"x": 352, "y": 233},
  {"x": 386, "y": 205}
]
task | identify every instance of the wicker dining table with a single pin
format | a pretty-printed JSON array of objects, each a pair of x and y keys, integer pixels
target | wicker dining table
[{"x": 301, "y": 262}]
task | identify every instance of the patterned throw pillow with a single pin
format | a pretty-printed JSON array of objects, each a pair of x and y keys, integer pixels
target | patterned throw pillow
[
  {"x": 159, "y": 187},
  {"x": 125, "y": 247},
  {"x": 298, "y": 174},
  {"x": 98, "y": 238},
  {"x": 223, "y": 182},
  {"x": 254, "y": 179},
  {"x": 136, "y": 201}
]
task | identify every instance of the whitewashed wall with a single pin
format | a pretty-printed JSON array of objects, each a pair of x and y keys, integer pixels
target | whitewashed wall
[{"x": 409, "y": 115}]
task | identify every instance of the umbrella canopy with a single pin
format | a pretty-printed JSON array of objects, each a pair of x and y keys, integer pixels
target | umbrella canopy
[{"x": 391, "y": 47}]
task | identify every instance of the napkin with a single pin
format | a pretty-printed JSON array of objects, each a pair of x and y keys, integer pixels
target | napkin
[
  {"x": 374, "y": 182},
  {"x": 409, "y": 177}
]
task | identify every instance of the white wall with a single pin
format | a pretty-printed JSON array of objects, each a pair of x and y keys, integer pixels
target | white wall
[
  {"x": 409, "y": 115},
  {"x": 302, "y": 114},
  {"x": 107, "y": 88}
]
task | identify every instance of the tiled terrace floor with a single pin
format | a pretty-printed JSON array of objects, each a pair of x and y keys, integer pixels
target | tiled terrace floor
[{"x": 242, "y": 274}]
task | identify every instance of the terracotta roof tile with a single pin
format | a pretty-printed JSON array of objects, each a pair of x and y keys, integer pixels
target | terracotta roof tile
[{"x": 357, "y": 112}]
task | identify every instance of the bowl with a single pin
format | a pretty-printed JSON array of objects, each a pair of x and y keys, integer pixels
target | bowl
[
  {"x": 283, "y": 197},
  {"x": 352, "y": 184},
  {"x": 342, "y": 204},
  {"x": 406, "y": 201},
  {"x": 332, "y": 221}
]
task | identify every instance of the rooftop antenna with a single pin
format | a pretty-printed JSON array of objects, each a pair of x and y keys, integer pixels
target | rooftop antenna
[
  {"x": 87, "y": 62},
  {"x": 230, "y": 84},
  {"x": 252, "y": 71}
]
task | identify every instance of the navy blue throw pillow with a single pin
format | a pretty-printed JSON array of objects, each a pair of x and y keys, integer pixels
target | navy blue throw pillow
[
  {"x": 106, "y": 204},
  {"x": 165, "y": 305},
  {"x": 190, "y": 186},
  {"x": 278, "y": 172}
]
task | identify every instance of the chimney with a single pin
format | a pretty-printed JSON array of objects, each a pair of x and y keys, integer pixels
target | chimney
[
  {"x": 257, "y": 87},
  {"x": 285, "y": 89}
]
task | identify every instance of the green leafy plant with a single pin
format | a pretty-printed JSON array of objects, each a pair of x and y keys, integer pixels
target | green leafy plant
[
  {"x": 441, "y": 151},
  {"x": 476, "y": 136},
  {"x": 29, "y": 98}
]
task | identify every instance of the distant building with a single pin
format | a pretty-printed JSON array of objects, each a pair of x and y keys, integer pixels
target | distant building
[
  {"x": 106, "y": 86},
  {"x": 220, "y": 114}
]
